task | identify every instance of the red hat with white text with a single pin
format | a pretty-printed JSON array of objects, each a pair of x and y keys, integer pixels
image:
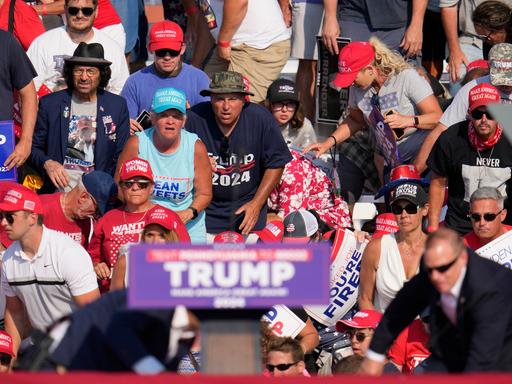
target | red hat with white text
[
  {"x": 20, "y": 198},
  {"x": 273, "y": 232},
  {"x": 367, "y": 318},
  {"x": 136, "y": 167},
  {"x": 483, "y": 94},
  {"x": 165, "y": 35},
  {"x": 6, "y": 344},
  {"x": 228, "y": 237},
  {"x": 353, "y": 57},
  {"x": 161, "y": 217}
]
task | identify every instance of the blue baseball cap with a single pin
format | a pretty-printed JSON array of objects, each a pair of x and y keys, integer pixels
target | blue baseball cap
[
  {"x": 102, "y": 188},
  {"x": 169, "y": 98}
]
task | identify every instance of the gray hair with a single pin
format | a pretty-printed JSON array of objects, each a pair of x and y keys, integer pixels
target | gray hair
[{"x": 492, "y": 193}]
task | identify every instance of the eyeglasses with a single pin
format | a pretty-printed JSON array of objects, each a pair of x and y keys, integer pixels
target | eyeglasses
[
  {"x": 477, "y": 114},
  {"x": 409, "y": 208},
  {"x": 224, "y": 152},
  {"x": 140, "y": 184},
  {"x": 5, "y": 359},
  {"x": 487, "y": 216},
  {"x": 360, "y": 336},
  {"x": 8, "y": 216},
  {"x": 91, "y": 71},
  {"x": 86, "y": 11},
  {"x": 280, "y": 367},
  {"x": 280, "y": 105},
  {"x": 442, "y": 268},
  {"x": 166, "y": 51}
]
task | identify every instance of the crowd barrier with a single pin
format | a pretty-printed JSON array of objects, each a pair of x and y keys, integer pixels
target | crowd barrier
[{"x": 100, "y": 378}]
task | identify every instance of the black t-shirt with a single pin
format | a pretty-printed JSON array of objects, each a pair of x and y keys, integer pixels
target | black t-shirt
[
  {"x": 467, "y": 170},
  {"x": 16, "y": 71},
  {"x": 255, "y": 144}
]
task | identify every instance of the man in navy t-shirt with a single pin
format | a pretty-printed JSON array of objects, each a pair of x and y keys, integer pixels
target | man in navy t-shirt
[{"x": 247, "y": 150}]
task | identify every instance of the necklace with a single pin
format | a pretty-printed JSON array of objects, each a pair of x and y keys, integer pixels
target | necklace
[
  {"x": 139, "y": 220},
  {"x": 483, "y": 167}
]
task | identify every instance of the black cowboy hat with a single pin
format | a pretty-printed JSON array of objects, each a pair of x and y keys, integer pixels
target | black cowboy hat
[{"x": 88, "y": 54}]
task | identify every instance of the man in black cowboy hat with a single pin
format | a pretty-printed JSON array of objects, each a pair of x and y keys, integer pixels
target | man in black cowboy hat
[
  {"x": 247, "y": 150},
  {"x": 58, "y": 149}
]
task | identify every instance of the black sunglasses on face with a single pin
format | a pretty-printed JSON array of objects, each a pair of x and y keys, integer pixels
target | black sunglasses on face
[
  {"x": 8, "y": 216},
  {"x": 86, "y": 11},
  {"x": 164, "y": 52},
  {"x": 409, "y": 208},
  {"x": 360, "y": 336},
  {"x": 140, "y": 184},
  {"x": 441, "y": 268},
  {"x": 477, "y": 114},
  {"x": 487, "y": 216},
  {"x": 280, "y": 367}
]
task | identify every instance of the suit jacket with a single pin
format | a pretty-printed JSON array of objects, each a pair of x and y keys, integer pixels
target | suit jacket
[
  {"x": 481, "y": 339},
  {"x": 52, "y": 130}
]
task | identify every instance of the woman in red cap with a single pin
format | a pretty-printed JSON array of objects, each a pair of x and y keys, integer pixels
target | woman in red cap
[{"x": 384, "y": 88}]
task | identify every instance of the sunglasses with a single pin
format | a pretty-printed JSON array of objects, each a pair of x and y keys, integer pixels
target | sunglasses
[
  {"x": 164, "y": 52},
  {"x": 487, "y": 216},
  {"x": 441, "y": 268},
  {"x": 360, "y": 336},
  {"x": 8, "y": 216},
  {"x": 409, "y": 208},
  {"x": 5, "y": 359},
  {"x": 140, "y": 184},
  {"x": 224, "y": 152},
  {"x": 477, "y": 114},
  {"x": 86, "y": 11},
  {"x": 280, "y": 367}
]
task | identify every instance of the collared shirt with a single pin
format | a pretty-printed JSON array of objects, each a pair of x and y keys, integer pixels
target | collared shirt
[{"x": 449, "y": 300}]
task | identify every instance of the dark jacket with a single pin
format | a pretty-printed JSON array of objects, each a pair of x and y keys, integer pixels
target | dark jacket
[
  {"x": 52, "y": 130},
  {"x": 481, "y": 340}
]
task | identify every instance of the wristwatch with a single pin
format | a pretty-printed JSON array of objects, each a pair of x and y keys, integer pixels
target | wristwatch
[{"x": 194, "y": 212}]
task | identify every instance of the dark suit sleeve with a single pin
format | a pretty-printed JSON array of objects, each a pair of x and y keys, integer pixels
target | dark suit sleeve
[
  {"x": 411, "y": 300},
  {"x": 38, "y": 155},
  {"x": 489, "y": 316},
  {"x": 122, "y": 133}
]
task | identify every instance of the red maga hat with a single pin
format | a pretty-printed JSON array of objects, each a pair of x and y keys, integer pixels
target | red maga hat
[{"x": 353, "y": 57}]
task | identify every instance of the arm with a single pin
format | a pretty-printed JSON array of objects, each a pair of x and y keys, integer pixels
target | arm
[
  {"x": 198, "y": 34},
  {"x": 429, "y": 116},
  {"x": 449, "y": 18},
  {"x": 308, "y": 337},
  {"x": 87, "y": 298},
  {"x": 130, "y": 151},
  {"x": 118, "y": 274},
  {"x": 368, "y": 274},
  {"x": 330, "y": 26},
  {"x": 202, "y": 182},
  {"x": 413, "y": 38},
  {"x": 435, "y": 200},
  {"x": 421, "y": 158},
  {"x": 287, "y": 12},
  {"x": 252, "y": 209},
  {"x": 352, "y": 124},
  {"x": 52, "y": 8},
  {"x": 15, "y": 320},
  {"x": 233, "y": 14},
  {"x": 28, "y": 99}
]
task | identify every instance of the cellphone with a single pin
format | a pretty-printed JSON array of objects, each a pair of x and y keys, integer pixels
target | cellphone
[
  {"x": 144, "y": 120},
  {"x": 398, "y": 132}
]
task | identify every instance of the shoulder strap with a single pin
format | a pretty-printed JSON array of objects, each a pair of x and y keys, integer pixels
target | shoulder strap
[{"x": 10, "y": 25}]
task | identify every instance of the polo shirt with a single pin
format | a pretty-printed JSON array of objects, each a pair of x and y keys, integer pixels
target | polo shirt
[{"x": 47, "y": 283}]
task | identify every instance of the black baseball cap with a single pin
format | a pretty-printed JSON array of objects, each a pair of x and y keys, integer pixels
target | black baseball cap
[
  {"x": 282, "y": 90},
  {"x": 411, "y": 192}
]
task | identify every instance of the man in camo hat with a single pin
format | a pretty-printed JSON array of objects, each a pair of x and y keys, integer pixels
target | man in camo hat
[{"x": 247, "y": 151}]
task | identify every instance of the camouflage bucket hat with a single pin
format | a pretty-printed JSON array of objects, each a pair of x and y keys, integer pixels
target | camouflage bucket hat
[
  {"x": 500, "y": 64},
  {"x": 226, "y": 82}
]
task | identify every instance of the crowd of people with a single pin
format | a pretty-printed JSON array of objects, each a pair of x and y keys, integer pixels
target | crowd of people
[{"x": 207, "y": 143}]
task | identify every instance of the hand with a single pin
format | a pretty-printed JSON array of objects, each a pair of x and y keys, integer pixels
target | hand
[
  {"x": 252, "y": 212},
  {"x": 319, "y": 148},
  {"x": 56, "y": 173},
  {"x": 185, "y": 215},
  {"x": 371, "y": 367},
  {"x": 362, "y": 236},
  {"x": 396, "y": 120},
  {"x": 412, "y": 41},
  {"x": 102, "y": 271},
  {"x": 457, "y": 57},
  {"x": 213, "y": 162},
  {"x": 224, "y": 52},
  {"x": 287, "y": 14},
  {"x": 19, "y": 155},
  {"x": 330, "y": 31},
  {"x": 135, "y": 127}
]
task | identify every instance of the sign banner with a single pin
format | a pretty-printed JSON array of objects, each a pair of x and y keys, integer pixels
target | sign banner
[
  {"x": 283, "y": 321},
  {"x": 499, "y": 250},
  {"x": 6, "y": 148},
  {"x": 331, "y": 102},
  {"x": 384, "y": 138},
  {"x": 346, "y": 257},
  {"x": 227, "y": 275}
]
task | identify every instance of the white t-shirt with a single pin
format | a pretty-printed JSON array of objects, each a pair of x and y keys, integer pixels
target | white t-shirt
[
  {"x": 262, "y": 26},
  {"x": 47, "y": 53},
  {"x": 458, "y": 109},
  {"x": 47, "y": 283}
]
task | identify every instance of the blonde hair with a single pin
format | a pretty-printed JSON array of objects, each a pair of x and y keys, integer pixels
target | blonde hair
[
  {"x": 170, "y": 236},
  {"x": 388, "y": 62}
]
